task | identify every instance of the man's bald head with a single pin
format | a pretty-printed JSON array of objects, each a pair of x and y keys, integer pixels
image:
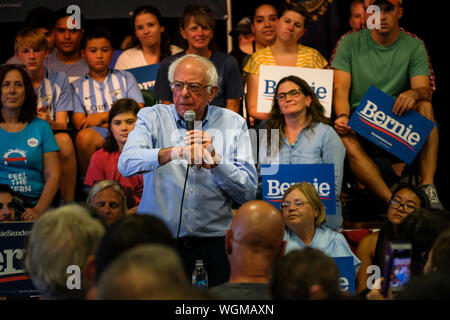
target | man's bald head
[{"x": 259, "y": 226}]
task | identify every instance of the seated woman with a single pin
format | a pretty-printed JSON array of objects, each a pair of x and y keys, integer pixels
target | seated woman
[
  {"x": 103, "y": 164},
  {"x": 304, "y": 216},
  {"x": 108, "y": 198},
  {"x": 304, "y": 135},
  {"x": 149, "y": 44},
  {"x": 285, "y": 51},
  {"x": 372, "y": 248},
  {"x": 30, "y": 163}
]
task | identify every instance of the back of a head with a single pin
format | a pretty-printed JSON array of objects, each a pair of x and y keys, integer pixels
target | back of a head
[
  {"x": 41, "y": 17},
  {"x": 129, "y": 232},
  {"x": 60, "y": 238},
  {"x": 305, "y": 274},
  {"x": 150, "y": 271},
  {"x": 431, "y": 286},
  {"x": 258, "y": 226},
  {"x": 440, "y": 258},
  {"x": 421, "y": 228}
]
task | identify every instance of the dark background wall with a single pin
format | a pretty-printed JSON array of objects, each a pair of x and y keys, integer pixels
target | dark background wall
[{"x": 419, "y": 17}]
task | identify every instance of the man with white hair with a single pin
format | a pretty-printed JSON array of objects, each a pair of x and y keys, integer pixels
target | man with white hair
[{"x": 194, "y": 202}]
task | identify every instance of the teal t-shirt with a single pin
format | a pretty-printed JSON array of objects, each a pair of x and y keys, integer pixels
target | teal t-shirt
[
  {"x": 389, "y": 68},
  {"x": 22, "y": 163}
]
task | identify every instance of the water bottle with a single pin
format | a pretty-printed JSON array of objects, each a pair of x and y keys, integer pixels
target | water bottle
[{"x": 200, "y": 276}]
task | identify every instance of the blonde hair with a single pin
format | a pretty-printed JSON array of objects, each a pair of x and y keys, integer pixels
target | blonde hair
[
  {"x": 30, "y": 37},
  {"x": 312, "y": 196}
]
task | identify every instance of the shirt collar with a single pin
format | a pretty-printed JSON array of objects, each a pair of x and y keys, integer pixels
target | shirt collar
[{"x": 180, "y": 121}]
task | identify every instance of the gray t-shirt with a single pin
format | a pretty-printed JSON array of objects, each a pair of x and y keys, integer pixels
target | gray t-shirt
[
  {"x": 241, "y": 291},
  {"x": 73, "y": 71}
]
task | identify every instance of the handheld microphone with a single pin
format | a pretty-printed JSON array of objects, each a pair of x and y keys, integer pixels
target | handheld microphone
[{"x": 189, "y": 116}]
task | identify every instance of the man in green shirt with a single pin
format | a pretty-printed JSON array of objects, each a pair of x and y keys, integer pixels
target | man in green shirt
[{"x": 397, "y": 64}]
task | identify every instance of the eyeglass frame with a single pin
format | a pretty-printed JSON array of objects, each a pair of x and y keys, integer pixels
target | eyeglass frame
[
  {"x": 290, "y": 93},
  {"x": 189, "y": 86},
  {"x": 403, "y": 205},
  {"x": 296, "y": 203}
]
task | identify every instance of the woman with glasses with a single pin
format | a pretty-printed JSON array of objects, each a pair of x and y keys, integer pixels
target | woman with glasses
[
  {"x": 372, "y": 248},
  {"x": 302, "y": 135},
  {"x": 304, "y": 215},
  {"x": 30, "y": 161},
  {"x": 285, "y": 51}
]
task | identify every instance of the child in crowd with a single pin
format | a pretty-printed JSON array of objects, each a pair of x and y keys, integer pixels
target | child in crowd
[
  {"x": 95, "y": 93},
  {"x": 103, "y": 164},
  {"x": 54, "y": 102}
]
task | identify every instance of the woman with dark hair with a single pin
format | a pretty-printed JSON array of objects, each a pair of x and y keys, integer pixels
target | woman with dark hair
[
  {"x": 30, "y": 162},
  {"x": 103, "y": 164},
  {"x": 285, "y": 51},
  {"x": 372, "y": 249},
  {"x": 303, "y": 135},
  {"x": 150, "y": 43}
]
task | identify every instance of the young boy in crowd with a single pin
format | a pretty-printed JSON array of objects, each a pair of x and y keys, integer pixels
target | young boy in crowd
[
  {"x": 55, "y": 101},
  {"x": 96, "y": 91}
]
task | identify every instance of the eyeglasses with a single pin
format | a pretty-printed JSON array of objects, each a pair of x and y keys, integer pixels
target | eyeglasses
[
  {"x": 192, "y": 87},
  {"x": 292, "y": 93},
  {"x": 406, "y": 207},
  {"x": 297, "y": 204}
]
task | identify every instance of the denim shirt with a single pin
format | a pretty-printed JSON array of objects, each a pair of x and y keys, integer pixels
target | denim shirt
[
  {"x": 209, "y": 193},
  {"x": 319, "y": 145}
]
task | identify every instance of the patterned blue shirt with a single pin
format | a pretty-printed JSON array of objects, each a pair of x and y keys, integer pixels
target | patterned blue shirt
[
  {"x": 209, "y": 193},
  {"x": 92, "y": 96}
]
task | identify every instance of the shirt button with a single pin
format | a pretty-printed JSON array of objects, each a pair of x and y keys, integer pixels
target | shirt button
[
  {"x": 192, "y": 210},
  {"x": 192, "y": 190}
]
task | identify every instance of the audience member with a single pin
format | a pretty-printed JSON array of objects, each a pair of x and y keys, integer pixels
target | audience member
[
  {"x": 147, "y": 272},
  {"x": 253, "y": 243},
  {"x": 95, "y": 93},
  {"x": 306, "y": 274},
  {"x": 62, "y": 241},
  {"x": 421, "y": 228},
  {"x": 285, "y": 51},
  {"x": 264, "y": 23},
  {"x": 197, "y": 28},
  {"x": 439, "y": 255},
  {"x": 110, "y": 201},
  {"x": 396, "y": 63},
  {"x": 304, "y": 135},
  {"x": 29, "y": 150},
  {"x": 304, "y": 215},
  {"x": 54, "y": 102},
  {"x": 103, "y": 163},
  {"x": 7, "y": 208},
  {"x": 159, "y": 146},
  {"x": 372, "y": 248},
  {"x": 43, "y": 19},
  {"x": 357, "y": 19},
  {"x": 245, "y": 40},
  {"x": 67, "y": 56},
  {"x": 150, "y": 43}
]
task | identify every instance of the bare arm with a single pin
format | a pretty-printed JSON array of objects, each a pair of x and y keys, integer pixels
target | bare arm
[
  {"x": 341, "y": 90},
  {"x": 407, "y": 100},
  {"x": 252, "y": 97},
  {"x": 51, "y": 177},
  {"x": 60, "y": 122},
  {"x": 233, "y": 104},
  {"x": 365, "y": 253}
]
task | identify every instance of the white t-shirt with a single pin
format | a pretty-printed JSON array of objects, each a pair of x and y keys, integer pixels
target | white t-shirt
[{"x": 134, "y": 58}]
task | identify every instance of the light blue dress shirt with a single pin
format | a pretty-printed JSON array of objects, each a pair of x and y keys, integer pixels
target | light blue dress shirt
[
  {"x": 330, "y": 242},
  {"x": 313, "y": 146},
  {"x": 209, "y": 193}
]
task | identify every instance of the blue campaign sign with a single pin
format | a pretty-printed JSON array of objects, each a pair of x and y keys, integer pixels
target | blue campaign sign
[
  {"x": 401, "y": 136},
  {"x": 347, "y": 273},
  {"x": 321, "y": 176},
  {"x": 145, "y": 76},
  {"x": 13, "y": 280}
]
